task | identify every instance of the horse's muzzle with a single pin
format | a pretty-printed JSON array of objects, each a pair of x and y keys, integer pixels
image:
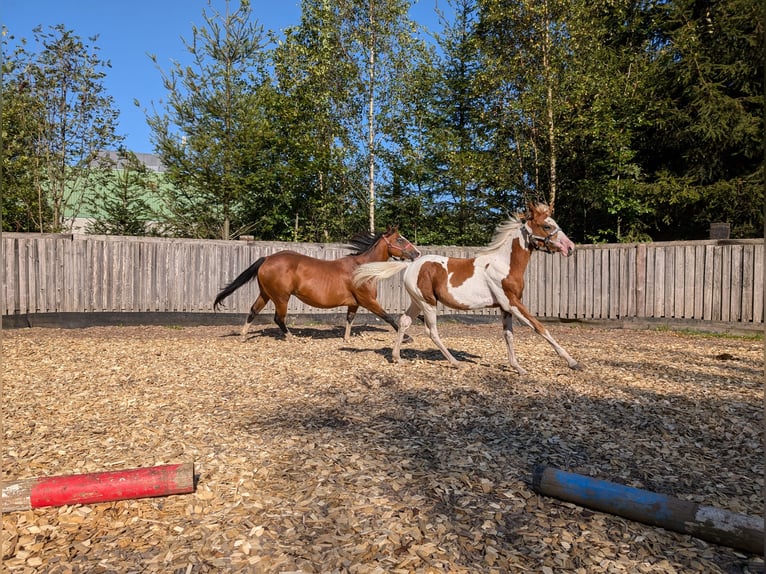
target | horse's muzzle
[{"x": 565, "y": 245}]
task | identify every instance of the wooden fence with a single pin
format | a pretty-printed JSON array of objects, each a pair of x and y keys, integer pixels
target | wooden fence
[{"x": 717, "y": 281}]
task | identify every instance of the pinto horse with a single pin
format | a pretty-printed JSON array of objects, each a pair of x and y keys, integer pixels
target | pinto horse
[
  {"x": 494, "y": 278},
  {"x": 318, "y": 282}
]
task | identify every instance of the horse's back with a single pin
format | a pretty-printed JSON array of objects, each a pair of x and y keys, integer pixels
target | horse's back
[{"x": 321, "y": 283}]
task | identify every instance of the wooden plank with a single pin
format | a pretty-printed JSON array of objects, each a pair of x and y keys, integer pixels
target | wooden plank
[
  {"x": 650, "y": 282},
  {"x": 16, "y": 284},
  {"x": 679, "y": 261},
  {"x": 563, "y": 304},
  {"x": 548, "y": 285},
  {"x": 614, "y": 283},
  {"x": 554, "y": 286},
  {"x": 58, "y": 265},
  {"x": 20, "y": 280},
  {"x": 699, "y": 281},
  {"x": 588, "y": 288},
  {"x": 758, "y": 279},
  {"x": 715, "y": 310},
  {"x": 630, "y": 277},
  {"x": 748, "y": 268},
  {"x": 659, "y": 282},
  {"x": 736, "y": 286},
  {"x": 670, "y": 265},
  {"x": 582, "y": 271},
  {"x": 51, "y": 275},
  {"x": 625, "y": 287},
  {"x": 726, "y": 263},
  {"x": 640, "y": 281},
  {"x": 707, "y": 283},
  {"x": 600, "y": 273},
  {"x": 689, "y": 291}
]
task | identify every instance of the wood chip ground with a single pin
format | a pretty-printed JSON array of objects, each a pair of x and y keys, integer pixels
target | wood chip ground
[{"x": 315, "y": 455}]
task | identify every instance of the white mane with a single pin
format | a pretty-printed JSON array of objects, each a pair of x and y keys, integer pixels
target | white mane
[{"x": 503, "y": 233}]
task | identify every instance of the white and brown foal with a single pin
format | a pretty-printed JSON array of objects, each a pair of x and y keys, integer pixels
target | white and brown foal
[{"x": 494, "y": 278}]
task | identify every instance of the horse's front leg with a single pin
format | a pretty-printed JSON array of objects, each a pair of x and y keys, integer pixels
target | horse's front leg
[
  {"x": 350, "y": 314},
  {"x": 523, "y": 315},
  {"x": 508, "y": 334}
]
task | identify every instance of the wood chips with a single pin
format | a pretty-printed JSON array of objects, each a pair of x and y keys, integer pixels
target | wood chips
[{"x": 315, "y": 455}]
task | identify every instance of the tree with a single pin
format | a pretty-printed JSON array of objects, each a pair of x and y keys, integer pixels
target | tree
[
  {"x": 315, "y": 110},
  {"x": 119, "y": 203},
  {"x": 23, "y": 208},
  {"x": 702, "y": 143},
  {"x": 70, "y": 119},
  {"x": 443, "y": 139},
  {"x": 610, "y": 46},
  {"x": 378, "y": 37},
  {"x": 210, "y": 132}
]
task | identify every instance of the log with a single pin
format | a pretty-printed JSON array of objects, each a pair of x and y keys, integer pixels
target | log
[
  {"x": 98, "y": 487},
  {"x": 715, "y": 525}
]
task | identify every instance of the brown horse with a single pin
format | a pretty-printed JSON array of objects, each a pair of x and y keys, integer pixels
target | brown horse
[
  {"x": 318, "y": 282},
  {"x": 494, "y": 278}
]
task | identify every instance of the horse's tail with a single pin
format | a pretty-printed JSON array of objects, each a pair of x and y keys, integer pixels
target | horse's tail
[
  {"x": 376, "y": 271},
  {"x": 247, "y": 275}
]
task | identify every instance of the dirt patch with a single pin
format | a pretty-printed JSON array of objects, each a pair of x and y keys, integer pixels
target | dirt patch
[{"x": 316, "y": 455}]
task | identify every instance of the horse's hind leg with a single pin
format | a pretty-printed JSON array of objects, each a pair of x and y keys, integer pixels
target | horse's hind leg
[
  {"x": 257, "y": 307},
  {"x": 429, "y": 316},
  {"x": 350, "y": 314},
  {"x": 280, "y": 313},
  {"x": 508, "y": 333},
  {"x": 401, "y": 329}
]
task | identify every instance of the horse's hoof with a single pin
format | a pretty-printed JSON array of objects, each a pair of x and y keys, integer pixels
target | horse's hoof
[
  {"x": 407, "y": 339},
  {"x": 575, "y": 367}
]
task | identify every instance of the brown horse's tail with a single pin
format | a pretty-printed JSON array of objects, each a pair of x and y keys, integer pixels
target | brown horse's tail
[
  {"x": 376, "y": 271},
  {"x": 246, "y": 276}
]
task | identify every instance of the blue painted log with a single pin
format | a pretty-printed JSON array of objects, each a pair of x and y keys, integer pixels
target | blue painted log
[{"x": 715, "y": 525}]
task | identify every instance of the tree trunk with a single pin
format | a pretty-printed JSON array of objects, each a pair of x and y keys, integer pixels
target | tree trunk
[
  {"x": 371, "y": 117},
  {"x": 549, "y": 105}
]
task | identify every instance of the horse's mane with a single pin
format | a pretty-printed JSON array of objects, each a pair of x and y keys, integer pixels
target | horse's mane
[
  {"x": 502, "y": 232},
  {"x": 362, "y": 242}
]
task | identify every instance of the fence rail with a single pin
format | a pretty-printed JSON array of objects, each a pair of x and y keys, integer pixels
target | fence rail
[{"x": 716, "y": 280}]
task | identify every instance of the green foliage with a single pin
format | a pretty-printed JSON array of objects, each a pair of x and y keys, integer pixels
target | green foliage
[
  {"x": 61, "y": 118},
  {"x": 120, "y": 203},
  {"x": 641, "y": 120},
  {"x": 208, "y": 134}
]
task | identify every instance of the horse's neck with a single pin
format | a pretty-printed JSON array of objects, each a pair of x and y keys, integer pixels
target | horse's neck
[
  {"x": 512, "y": 252},
  {"x": 378, "y": 252}
]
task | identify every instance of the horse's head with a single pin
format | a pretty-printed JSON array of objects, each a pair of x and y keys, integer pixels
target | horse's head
[
  {"x": 399, "y": 246},
  {"x": 543, "y": 232}
]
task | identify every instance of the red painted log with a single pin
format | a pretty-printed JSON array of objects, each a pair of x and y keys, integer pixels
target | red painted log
[{"x": 98, "y": 487}]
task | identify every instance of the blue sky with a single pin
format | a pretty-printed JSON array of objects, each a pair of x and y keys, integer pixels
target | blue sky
[{"x": 129, "y": 31}]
